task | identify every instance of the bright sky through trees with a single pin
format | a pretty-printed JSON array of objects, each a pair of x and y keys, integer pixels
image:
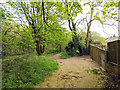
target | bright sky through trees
[{"x": 107, "y": 31}]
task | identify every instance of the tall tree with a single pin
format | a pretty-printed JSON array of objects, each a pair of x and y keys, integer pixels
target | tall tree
[
  {"x": 41, "y": 19},
  {"x": 99, "y": 11},
  {"x": 68, "y": 7}
]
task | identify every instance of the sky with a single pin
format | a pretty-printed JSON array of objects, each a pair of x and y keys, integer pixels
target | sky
[{"x": 96, "y": 26}]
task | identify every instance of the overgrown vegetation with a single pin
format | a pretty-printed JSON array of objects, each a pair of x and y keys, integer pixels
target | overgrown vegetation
[
  {"x": 16, "y": 40},
  {"x": 26, "y": 70},
  {"x": 64, "y": 55},
  {"x": 72, "y": 50},
  {"x": 29, "y": 27},
  {"x": 97, "y": 42}
]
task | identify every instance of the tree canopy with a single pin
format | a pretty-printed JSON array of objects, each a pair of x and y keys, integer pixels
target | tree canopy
[{"x": 42, "y": 21}]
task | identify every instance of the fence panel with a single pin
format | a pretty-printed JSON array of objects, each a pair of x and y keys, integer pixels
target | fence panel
[
  {"x": 114, "y": 52},
  {"x": 98, "y": 54},
  {"x": 110, "y": 59}
]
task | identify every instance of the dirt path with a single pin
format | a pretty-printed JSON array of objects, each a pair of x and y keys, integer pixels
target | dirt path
[{"x": 74, "y": 72}]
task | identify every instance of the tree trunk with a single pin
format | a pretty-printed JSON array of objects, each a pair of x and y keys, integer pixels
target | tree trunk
[
  {"x": 87, "y": 39},
  {"x": 40, "y": 48},
  {"x": 73, "y": 28},
  {"x": 88, "y": 30}
]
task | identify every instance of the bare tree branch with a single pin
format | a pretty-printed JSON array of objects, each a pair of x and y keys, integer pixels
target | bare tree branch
[
  {"x": 104, "y": 30},
  {"x": 109, "y": 24}
]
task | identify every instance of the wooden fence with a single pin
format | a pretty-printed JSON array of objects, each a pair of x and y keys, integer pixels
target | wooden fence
[
  {"x": 114, "y": 52},
  {"x": 109, "y": 59},
  {"x": 98, "y": 54}
]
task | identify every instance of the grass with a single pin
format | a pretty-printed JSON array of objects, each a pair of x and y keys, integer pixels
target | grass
[
  {"x": 25, "y": 71},
  {"x": 52, "y": 54},
  {"x": 64, "y": 55}
]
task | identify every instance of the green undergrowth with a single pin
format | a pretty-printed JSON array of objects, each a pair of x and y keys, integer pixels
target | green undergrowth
[
  {"x": 25, "y": 71},
  {"x": 52, "y": 54},
  {"x": 64, "y": 55}
]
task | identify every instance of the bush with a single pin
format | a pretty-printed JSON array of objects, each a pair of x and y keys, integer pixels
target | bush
[
  {"x": 26, "y": 70},
  {"x": 97, "y": 42},
  {"x": 64, "y": 55},
  {"x": 16, "y": 40},
  {"x": 72, "y": 50}
]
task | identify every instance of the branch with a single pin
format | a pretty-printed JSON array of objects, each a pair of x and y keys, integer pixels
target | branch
[
  {"x": 79, "y": 21},
  {"x": 26, "y": 13},
  {"x": 90, "y": 22},
  {"x": 104, "y": 30},
  {"x": 86, "y": 20},
  {"x": 43, "y": 11},
  {"x": 38, "y": 8},
  {"x": 51, "y": 27},
  {"x": 109, "y": 24},
  {"x": 68, "y": 15},
  {"x": 71, "y": 7}
]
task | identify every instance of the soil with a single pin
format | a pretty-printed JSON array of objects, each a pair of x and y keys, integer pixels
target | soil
[{"x": 75, "y": 72}]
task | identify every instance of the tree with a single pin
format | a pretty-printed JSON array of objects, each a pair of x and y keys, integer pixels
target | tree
[
  {"x": 40, "y": 20},
  {"x": 108, "y": 7},
  {"x": 70, "y": 19},
  {"x": 96, "y": 37},
  {"x": 44, "y": 18}
]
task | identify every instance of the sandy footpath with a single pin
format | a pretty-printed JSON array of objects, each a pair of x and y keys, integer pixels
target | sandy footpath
[{"x": 75, "y": 72}]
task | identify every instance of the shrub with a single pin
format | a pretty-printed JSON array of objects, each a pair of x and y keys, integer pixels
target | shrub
[
  {"x": 64, "y": 55},
  {"x": 26, "y": 70},
  {"x": 72, "y": 50},
  {"x": 16, "y": 40},
  {"x": 97, "y": 42}
]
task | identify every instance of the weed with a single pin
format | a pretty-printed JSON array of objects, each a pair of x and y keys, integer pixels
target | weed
[
  {"x": 26, "y": 70},
  {"x": 64, "y": 55},
  {"x": 52, "y": 54}
]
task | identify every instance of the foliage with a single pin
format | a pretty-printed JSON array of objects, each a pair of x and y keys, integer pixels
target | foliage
[
  {"x": 104, "y": 12},
  {"x": 64, "y": 55},
  {"x": 61, "y": 39},
  {"x": 72, "y": 50},
  {"x": 43, "y": 23},
  {"x": 96, "y": 37},
  {"x": 40, "y": 27},
  {"x": 16, "y": 40},
  {"x": 44, "y": 20},
  {"x": 82, "y": 37},
  {"x": 99, "y": 10},
  {"x": 97, "y": 42},
  {"x": 26, "y": 70},
  {"x": 52, "y": 54},
  {"x": 73, "y": 9}
]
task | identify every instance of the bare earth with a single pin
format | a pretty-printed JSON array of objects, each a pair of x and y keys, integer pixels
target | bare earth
[{"x": 75, "y": 72}]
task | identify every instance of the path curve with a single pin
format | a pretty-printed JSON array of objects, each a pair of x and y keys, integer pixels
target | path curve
[{"x": 74, "y": 72}]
